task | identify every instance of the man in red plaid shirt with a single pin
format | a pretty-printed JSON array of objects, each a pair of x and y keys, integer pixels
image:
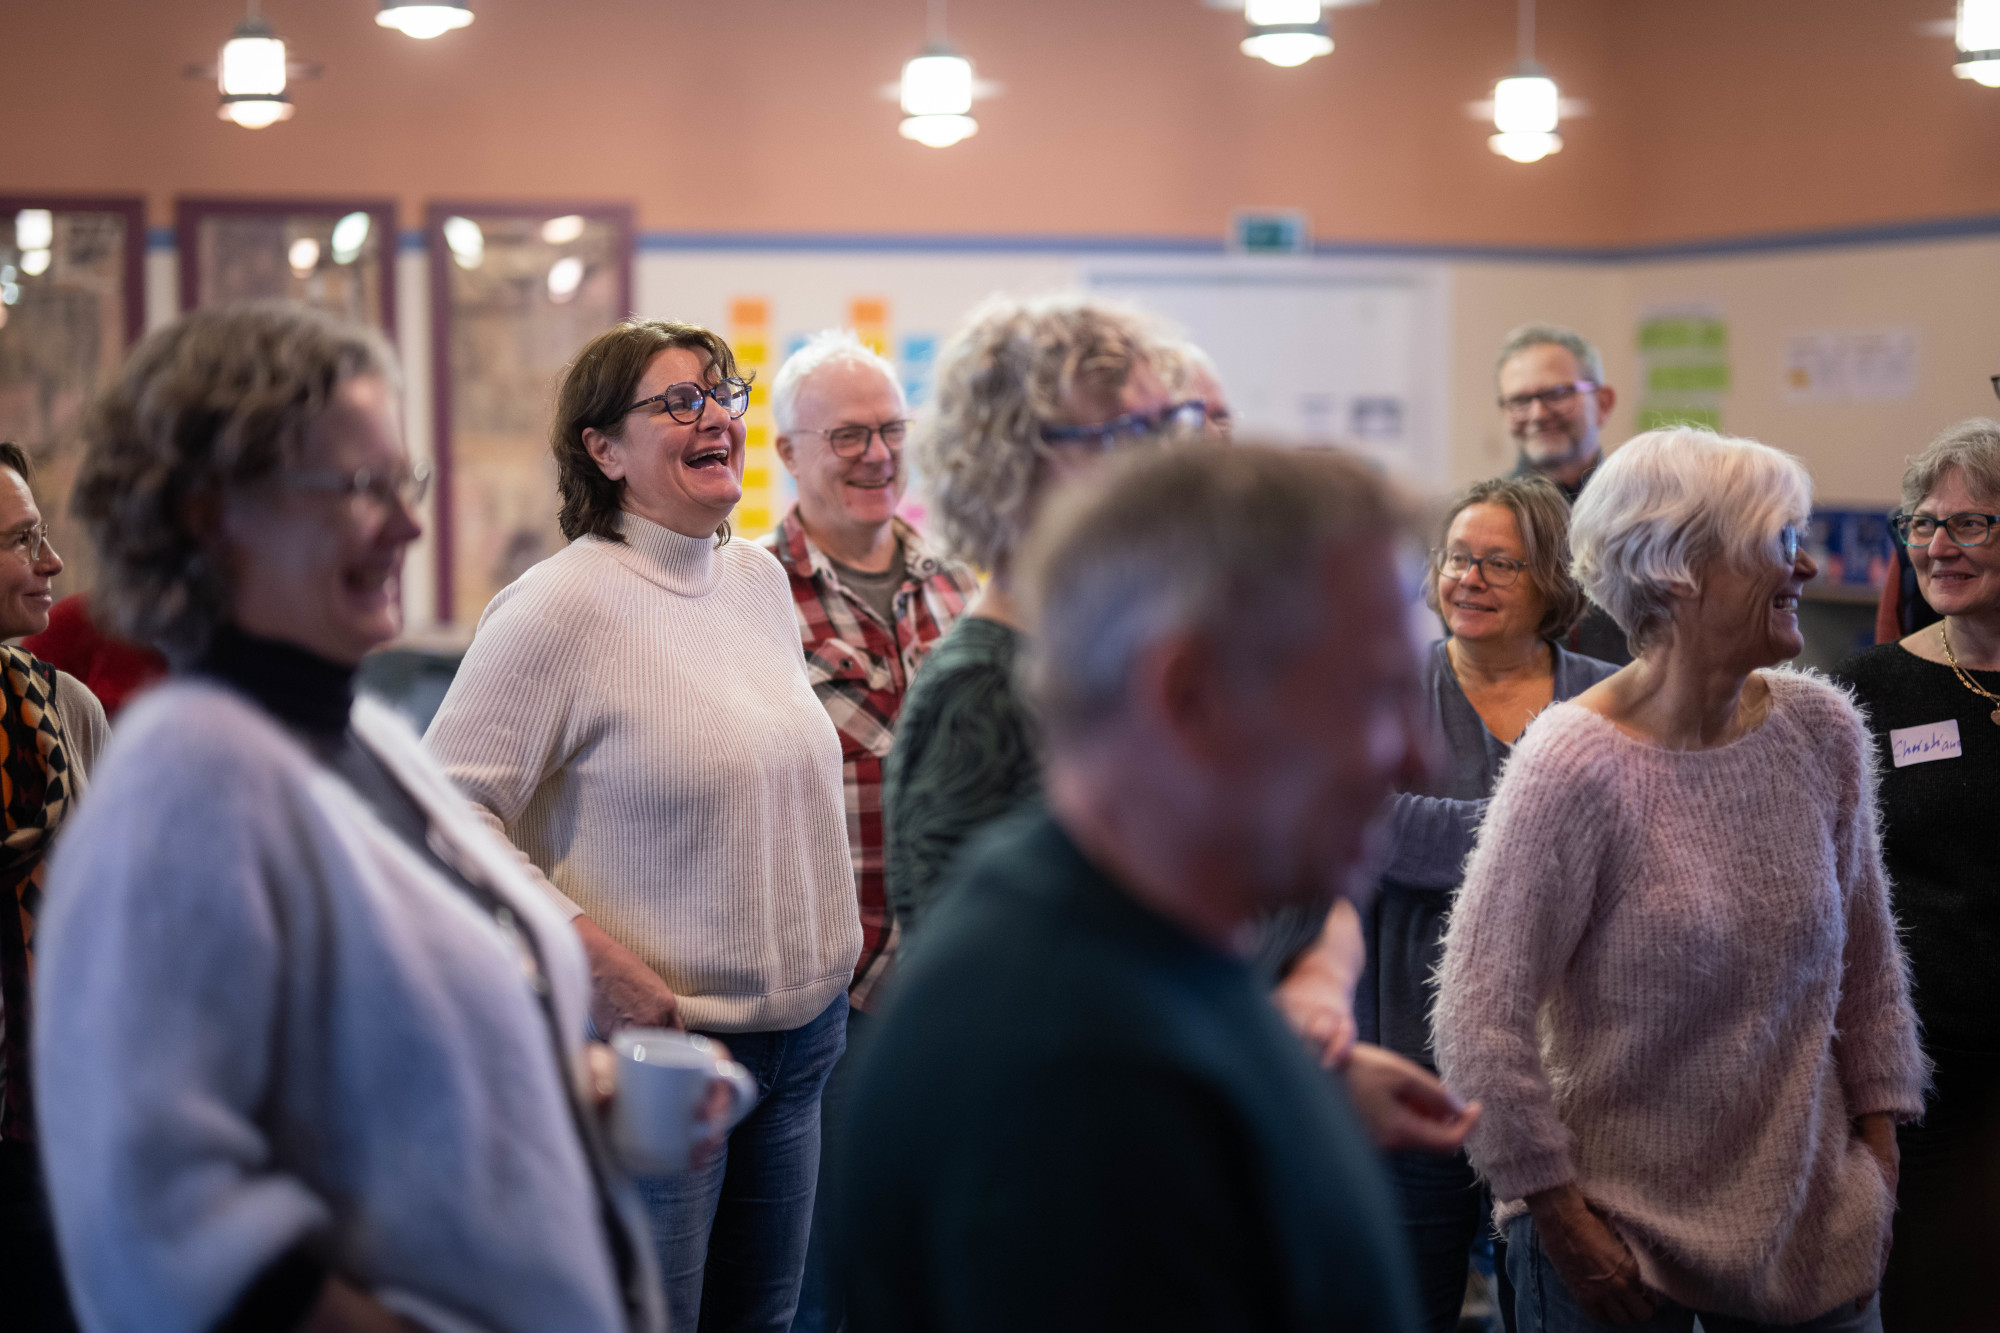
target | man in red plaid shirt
[{"x": 871, "y": 598}]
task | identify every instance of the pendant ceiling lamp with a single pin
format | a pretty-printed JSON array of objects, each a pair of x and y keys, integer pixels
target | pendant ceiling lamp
[
  {"x": 426, "y": 19},
  {"x": 937, "y": 90},
  {"x": 1286, "y": 32},
  {"x": 1526, "y": 105},
  {"x": 1978, "y": 34},
  {"x": 251, "y": 75}
]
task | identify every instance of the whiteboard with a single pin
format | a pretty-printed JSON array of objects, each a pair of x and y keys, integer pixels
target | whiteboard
[
  {"x": 1311, "y": 349},
  {"x": 1314, "y": 351}
]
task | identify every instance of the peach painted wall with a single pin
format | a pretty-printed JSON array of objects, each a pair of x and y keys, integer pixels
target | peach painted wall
[{"x": 1118, "y": 117}]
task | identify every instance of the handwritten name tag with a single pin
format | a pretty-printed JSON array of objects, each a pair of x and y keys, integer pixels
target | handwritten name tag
[{"x": 1920, "y": 745}]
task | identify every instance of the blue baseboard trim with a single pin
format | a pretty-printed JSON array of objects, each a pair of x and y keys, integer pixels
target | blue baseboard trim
[{"x": 1979, "y": 226}]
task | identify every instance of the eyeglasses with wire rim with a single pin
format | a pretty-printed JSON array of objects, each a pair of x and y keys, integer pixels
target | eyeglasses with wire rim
[
  {"x": 28, "y": 543},
  {"x": 1182, "y": 417},
  {"x": 1967, "y": 529},
  {"x": 386, "y": 488},
  {"x": 852, "y": 441},
  {"x": 683, "y": 401},
  {"x": 1555, "y": 398},
  {"x": 1499, "y": 571}
]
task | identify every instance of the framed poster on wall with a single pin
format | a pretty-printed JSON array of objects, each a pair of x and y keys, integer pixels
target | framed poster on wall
[
  {"x": 333, "y": 254},
  {"x": 516, "y": 291},
  {"x": 72, "y": 301}
]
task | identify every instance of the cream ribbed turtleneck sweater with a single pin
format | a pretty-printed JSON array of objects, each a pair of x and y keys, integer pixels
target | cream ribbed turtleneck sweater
[{"x": 637, "y": 717}]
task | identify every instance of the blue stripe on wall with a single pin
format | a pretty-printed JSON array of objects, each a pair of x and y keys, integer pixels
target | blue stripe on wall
[{"x": 674, "y": 242}]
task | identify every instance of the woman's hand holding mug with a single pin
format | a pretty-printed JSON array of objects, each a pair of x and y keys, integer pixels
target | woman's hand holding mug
[{"x": 674, "y": 1099}]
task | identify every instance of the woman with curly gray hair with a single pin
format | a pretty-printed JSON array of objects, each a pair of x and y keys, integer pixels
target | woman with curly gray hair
[
  {"x": 1030, "y": 394},
  {"x": 308, "y": 1037},
  {"x": 1672, "y": 977}
]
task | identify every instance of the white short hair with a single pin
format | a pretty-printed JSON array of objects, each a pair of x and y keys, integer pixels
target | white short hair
[
  {"x": 1666, "y": 505},
  {"x": 826, "y": 348}
]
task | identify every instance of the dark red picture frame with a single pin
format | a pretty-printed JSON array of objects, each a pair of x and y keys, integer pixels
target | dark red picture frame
[
  {"x": 438, "y": 255},
  {"x": 190, "y": 211},
  {"x": 134, "y": 210}
]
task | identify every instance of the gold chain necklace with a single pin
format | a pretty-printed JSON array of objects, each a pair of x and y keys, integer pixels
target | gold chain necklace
[{"x": 1964, "y": 679}]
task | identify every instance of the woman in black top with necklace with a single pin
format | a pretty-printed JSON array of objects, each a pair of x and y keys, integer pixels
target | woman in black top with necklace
[{"x": 1933, "y": 702}]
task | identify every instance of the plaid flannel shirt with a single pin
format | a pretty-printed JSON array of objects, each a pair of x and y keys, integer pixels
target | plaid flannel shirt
[{"x": 860, "y": 668}]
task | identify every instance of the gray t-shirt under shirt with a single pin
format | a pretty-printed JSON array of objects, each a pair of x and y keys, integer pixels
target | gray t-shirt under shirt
[{"x": 876, "y": 591}]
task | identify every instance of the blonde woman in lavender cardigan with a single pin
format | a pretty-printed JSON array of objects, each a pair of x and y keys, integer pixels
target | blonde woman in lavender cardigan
[{"x": 1672, "y": 976}]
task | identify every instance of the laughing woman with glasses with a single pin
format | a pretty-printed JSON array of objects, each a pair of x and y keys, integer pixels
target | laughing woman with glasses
[
  {"x": 1671, "y": 976},
  {"x": 634, "y": 713},
  {"x": 1933, "y": 704}
]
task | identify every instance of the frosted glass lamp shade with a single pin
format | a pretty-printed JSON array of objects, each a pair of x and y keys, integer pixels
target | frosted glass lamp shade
[
  {"x": 1978, "y": 34},
  {"x": 424, "y": 21},
  {"x": 937, "y": 84},
  {"x": 941, "y": 131},
  {"x": 1525, "y": 145},
  {"x": 1525, "y": 104},
  {"x": 1262, "y": 13},
  {"x": 1285, "y": 32},
  {"x": 251, "y": 75}
]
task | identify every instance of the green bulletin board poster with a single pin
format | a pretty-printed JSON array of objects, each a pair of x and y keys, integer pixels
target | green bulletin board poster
[{"x": 1684, "y": 367}]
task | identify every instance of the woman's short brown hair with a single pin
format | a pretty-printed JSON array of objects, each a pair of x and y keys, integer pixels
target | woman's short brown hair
[
  {"x": 596, "y": 393},
  {"x": 14, "y": 456},
  {"x": 1542, "y": 514},
  {"x": 215, "y": 402}
]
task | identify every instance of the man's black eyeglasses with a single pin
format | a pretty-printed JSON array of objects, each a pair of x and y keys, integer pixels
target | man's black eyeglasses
[
  {"x": 683, "y": 401},
  {"x": 852, "y": 441},
  {"x": 1108, "y": 435},
  {"x": 1554, "y": 397}
]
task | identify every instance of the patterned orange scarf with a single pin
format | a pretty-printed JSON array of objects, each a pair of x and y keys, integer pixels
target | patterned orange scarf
[{"x": 35, "y": 795}]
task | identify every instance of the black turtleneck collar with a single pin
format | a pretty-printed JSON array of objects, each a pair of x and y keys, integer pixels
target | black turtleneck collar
[{"x": 298, "y": 687}]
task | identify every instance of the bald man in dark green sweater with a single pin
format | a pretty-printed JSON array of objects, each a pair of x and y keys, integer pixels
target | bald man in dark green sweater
[{"x": 1082, "y": 1110}]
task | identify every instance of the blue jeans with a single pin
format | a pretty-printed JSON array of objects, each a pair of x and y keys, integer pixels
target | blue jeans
[
  {"x": 732, "y": 1236},
  {"x": 1446, "y": 1215},
  {"x": 1542, "y": 1304}
]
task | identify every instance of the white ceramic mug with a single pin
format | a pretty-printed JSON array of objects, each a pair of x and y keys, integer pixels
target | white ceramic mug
[{"x": 664, "y": 1079}]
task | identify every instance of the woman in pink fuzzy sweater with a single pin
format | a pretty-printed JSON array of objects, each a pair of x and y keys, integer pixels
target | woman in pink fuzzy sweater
[{"x": 1672, "y": 976}]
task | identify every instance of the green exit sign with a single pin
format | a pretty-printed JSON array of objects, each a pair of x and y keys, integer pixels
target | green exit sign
[{"x": 1270, "y": 232}]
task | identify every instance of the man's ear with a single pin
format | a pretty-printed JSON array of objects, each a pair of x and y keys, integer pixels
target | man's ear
[
  {"x": 1179, "y": 691},
  {"x": 1607, "y": 398},
  {"x": 783, "y": 444},
  {"x": 607, "y": 453}
]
